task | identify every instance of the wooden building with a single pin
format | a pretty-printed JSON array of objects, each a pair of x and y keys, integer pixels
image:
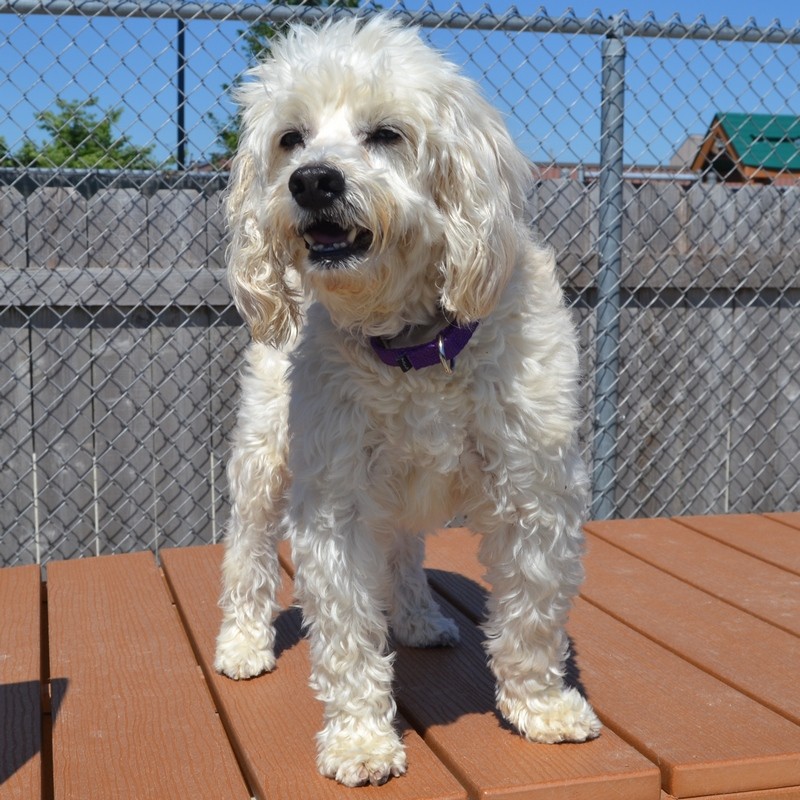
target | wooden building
[{"x": 744, "y": 148}]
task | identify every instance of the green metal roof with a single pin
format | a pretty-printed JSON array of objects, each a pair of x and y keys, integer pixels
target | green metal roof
[{"x": 764, "y": 140}]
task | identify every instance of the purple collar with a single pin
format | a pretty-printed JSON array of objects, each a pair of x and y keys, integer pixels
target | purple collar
[{"x": 442, "y": 350}]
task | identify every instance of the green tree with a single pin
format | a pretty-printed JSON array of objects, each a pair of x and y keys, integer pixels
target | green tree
[
  {"x": 256, "y": 41},
  {"x": 78, "y": 138}
]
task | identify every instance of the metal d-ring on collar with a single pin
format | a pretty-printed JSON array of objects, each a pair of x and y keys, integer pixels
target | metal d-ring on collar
[
  {"x": 448, "y": 363},
  {"x": 442, "y": 350}
]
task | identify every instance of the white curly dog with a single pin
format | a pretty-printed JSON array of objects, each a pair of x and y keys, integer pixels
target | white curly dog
[{"x": 412, "y": 359}]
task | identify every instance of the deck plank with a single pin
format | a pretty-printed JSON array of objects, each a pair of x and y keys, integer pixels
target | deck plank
[
  {"x": 790, "y": 518},
  {"x": 135, "y": 718},
  {"x": 671, "y": 635},
  {"x": 448, "y": 695},
  {"x": 20, "y": 683},
  {"x": 788, "y": 793},
  {"x": 753, "y": 656},
  {"x": 680, "y": 716},
  {"x": 752, "y": 585},
  {"x": 273, "y": 719},
  {"x": 773, "y": 538}
]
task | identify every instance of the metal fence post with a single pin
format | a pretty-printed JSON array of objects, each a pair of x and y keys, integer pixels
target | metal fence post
[
  {"x": 612, "y": 122},
  {"x": 180, "y": 155}
]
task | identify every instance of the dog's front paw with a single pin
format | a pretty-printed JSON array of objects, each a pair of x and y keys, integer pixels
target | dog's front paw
[
  {"x": 425, "y": 630},
  {"x": 559, "y": 714},
  {"x": 244, "y": 653},
  {"x": 358, "y": 761}
]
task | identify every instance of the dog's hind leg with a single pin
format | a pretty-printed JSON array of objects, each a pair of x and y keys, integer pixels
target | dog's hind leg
[
  {"x": 414, "y": 615},
  {"x": 258, "y": 479}
]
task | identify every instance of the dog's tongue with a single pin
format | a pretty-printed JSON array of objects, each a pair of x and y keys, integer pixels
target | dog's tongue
[{"x": 326, "y": 233}]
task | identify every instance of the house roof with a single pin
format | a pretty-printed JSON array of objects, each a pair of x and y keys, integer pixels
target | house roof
[{"x": 763, "y": 143}]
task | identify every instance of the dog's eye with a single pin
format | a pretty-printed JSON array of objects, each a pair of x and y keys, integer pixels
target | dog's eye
[
  {"x": 291, "y": 139},
  {"x": 384, "y": 135}
]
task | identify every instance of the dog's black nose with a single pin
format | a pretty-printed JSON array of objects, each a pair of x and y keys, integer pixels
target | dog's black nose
[{"x": 316, "y": 186}]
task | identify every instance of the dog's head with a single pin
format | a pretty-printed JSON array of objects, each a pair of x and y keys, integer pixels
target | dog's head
[{"x": 369, "y": 166}]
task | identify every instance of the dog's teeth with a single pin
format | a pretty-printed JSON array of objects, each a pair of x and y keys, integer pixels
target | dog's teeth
[{"x": 317, "y": 248}]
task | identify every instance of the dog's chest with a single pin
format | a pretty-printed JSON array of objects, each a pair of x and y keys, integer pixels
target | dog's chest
[
  {"x": 424, "y": 429},
  {"x": 421, "y": 450}
]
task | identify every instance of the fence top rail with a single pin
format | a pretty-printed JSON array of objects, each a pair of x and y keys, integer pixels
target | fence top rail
[
  {"x": 618, "y": 25},
  {"x": 89, "y": 181}
]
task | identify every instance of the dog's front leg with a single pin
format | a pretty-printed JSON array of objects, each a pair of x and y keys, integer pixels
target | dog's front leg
[
  {"x": 259, "y": 479},
  {"x": 250, "y": 577},
  {"x": 250, "y": 568},
  {"x": 533, "y": 582},
  {"x": 340, "y": 583}
]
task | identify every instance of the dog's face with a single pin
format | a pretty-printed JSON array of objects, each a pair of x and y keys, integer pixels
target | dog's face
[
  {"x": 369, "y": 166},
  {"x": 347, "y": 200}
]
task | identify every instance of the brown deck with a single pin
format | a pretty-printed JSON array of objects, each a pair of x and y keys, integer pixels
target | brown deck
[{"x": 687, "y": 640}]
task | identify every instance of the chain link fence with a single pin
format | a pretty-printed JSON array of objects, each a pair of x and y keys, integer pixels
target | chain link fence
[{"x": 679, "y": 248}]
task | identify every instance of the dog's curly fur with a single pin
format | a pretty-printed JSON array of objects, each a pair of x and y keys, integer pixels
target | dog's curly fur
[{"x": 356, "y": 461}]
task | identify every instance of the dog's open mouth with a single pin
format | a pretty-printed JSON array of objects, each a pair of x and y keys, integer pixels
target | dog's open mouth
[{"x": 330, "y": 245}]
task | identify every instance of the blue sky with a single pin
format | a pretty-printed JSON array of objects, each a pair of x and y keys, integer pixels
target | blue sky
[
  {"x": 674, "y": 87},
  {"x": 547, "y": 86},
  {"x": 738, "y": 11}
]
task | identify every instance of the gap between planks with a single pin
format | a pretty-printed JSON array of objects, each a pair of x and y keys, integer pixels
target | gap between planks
[
  {"x": 48, "y": 789},
  {"x": 213, "y": 697}
]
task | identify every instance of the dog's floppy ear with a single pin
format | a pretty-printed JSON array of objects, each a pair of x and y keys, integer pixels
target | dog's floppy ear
[
  {"x": 256, "y": 275},
  {"x": 480, "y": 179}
]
